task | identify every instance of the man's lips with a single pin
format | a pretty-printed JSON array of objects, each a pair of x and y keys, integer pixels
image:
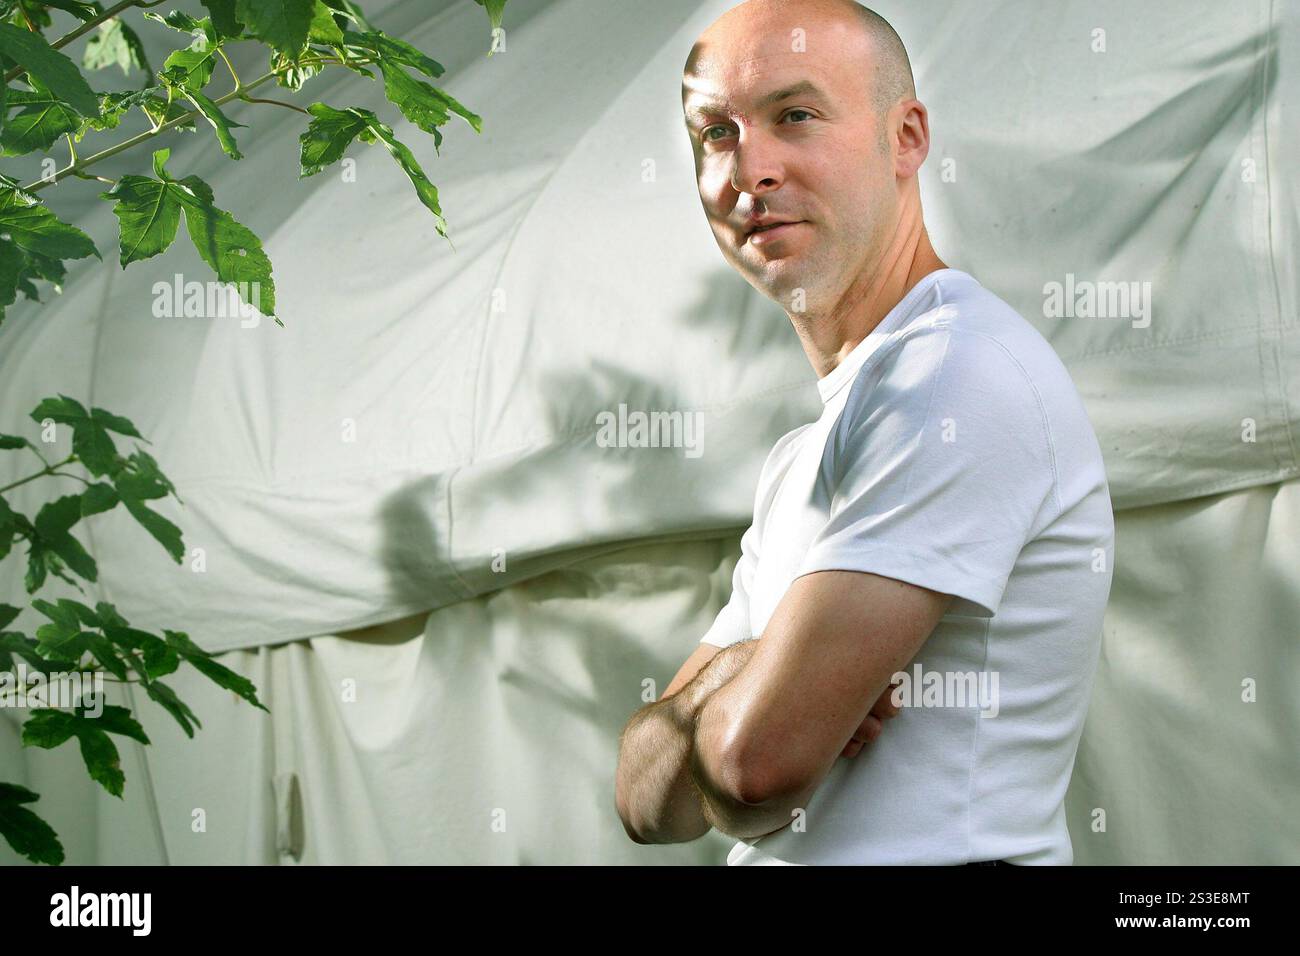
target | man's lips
[{"x": 765, "y": 234}]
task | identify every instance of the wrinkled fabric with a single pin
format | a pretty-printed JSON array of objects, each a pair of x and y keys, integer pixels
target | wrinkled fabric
[
  {"x": 425, "y": 410},
  {"x": 511, "y": 704}
]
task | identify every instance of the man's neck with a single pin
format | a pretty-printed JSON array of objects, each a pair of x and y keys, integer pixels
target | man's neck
[{"x": 829, "y": 335}]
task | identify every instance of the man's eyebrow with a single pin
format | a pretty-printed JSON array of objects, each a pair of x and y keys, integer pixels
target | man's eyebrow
[{"x": 703, "y": 111}]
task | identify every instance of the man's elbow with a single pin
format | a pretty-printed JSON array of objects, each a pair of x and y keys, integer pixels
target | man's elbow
[
  {"x": 759, "y": 780},
  {"x": 753, "y": 792},
  {"x": 633, "y": 835}
]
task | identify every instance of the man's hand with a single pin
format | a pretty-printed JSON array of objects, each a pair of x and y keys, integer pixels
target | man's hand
[{"x": 873, "y": 725}]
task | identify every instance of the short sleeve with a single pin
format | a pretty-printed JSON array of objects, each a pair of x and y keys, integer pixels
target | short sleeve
[
  {"x": 938, "y": 470},
  {"x": 732, "y": 623}
]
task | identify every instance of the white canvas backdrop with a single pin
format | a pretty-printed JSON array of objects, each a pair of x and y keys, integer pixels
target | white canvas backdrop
[{"x": 477, "y": 424}]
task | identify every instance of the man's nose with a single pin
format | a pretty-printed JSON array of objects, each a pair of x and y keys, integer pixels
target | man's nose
[{"x": 756, "y": 169}]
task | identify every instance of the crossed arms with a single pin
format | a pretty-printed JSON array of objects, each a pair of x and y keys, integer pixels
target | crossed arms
[{"x": 744, "y": 735}]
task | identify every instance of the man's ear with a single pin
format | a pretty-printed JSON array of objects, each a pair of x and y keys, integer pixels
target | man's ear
[{"x": 912, "y": 138}]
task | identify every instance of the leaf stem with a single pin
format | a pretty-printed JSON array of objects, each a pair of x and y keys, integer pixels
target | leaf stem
[
  {"x": 65, "y": 474},
  {"x": 233, "y": 75},
  {"x": 290, "y": 106},
  {"x": 102, "y": 179}
]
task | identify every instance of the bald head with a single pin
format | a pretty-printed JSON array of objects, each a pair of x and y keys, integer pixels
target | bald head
[
  {"x": 807, "y": 136},
  {"x": 891, "y": 70},
  {"x": 882, "y": 59}
]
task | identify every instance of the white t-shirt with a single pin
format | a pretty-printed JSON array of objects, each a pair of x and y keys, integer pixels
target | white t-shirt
[{"x": 953, "y": 452}]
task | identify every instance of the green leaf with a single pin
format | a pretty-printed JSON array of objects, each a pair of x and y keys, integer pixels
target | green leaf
[
  {"x": 52, "y": 525},
  {"x": 118, "y": 720},
  {"x": 218, "y": 120},
  {"x": 223, "y": 17},
  {"x": 28, "y": 834},
  {"x": 282, "y": 24},
  {"x": 218, "y": 673},
  {"x": 166, "y": 533},
  {"x": 394, "y": 50},
  {"x": 82, "y": 11},
  {"x": 36, "y": 266},
  {"x": 98, "y": 498},
  {"x": 42, "y": 119},
  {"x": 48, "y": 65},
  {"x": 349, "y": 11},
  {"x": 112, "y": 107},
  {"x": 48, "y": 728},
  {"x": 104, "y": 651},
  {"x": 148, "y": 215},
  {"x": 141, "y": 481},
  {"x": 192, "y": 66},
  {"x": 64, "y": 616},
  {"x": 91, "y": 442},
  {"x": 159, "y": 658},
  {"x": 187, "y": 24},
  {"x": 20, "y": 12},
  {"x": 291, "y": 74},
  {"x": 165, "y": 696},
  {"x": 10, "y": 520},
  {"x": 42, "y": 560},
  {"x": 332, "y": 130},
  {"x": 102, "y": 760},
  {"x": 11, "y": 277},
  {"x": 323, "y": 29},
  {"x": 12, "y": 643},
  {"x": 36, "y": 229},
  {"x": 148, "y": 211},
  {"x": 327, "y": 137},
  {"x": 7, "y": 614},
  {"x": 115, "y": 43},
  {"x": 126, "y": 640},
  {"x": 108, "y": 614},
  {"x": 422, "y": 104}
]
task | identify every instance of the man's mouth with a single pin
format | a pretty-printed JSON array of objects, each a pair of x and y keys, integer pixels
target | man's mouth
[{"x": 764, "y": 234}]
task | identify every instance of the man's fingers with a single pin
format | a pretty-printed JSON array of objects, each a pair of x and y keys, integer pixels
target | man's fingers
[
  {"x": 869, "y": 730},
  {"x": 884, "y": 705}
]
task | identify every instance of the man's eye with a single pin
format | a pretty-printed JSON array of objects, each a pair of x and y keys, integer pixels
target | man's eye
[
  {"x": 708, "y": 129},
  {"x": 792, "y": 112}
]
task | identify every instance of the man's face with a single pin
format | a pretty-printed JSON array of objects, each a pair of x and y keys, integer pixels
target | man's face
[{"x": 816, "y": 155}]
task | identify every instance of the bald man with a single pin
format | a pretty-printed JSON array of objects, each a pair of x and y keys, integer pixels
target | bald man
[{"x": 902, "y": 672}]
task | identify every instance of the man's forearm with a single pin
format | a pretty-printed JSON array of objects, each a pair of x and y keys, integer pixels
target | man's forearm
[
  {"x": 719, "y": 803},
  {"x": 656, "y": 796}
]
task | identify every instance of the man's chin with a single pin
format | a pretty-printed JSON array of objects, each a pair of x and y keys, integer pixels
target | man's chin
[{"x": 778, "y": 280}]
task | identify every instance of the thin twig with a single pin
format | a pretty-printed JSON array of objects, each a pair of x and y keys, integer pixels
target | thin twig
[{"x": 47, "y": 470}]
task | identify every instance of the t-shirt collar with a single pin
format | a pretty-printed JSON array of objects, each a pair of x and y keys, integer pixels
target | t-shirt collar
[{"x": 845, "y": 372}]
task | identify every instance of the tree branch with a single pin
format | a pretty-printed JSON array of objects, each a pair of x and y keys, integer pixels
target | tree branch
[{"x": 73, "y": 169}]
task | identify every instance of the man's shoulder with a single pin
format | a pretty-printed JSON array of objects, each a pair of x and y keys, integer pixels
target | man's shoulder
[{"x": 970, "y": 345}]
